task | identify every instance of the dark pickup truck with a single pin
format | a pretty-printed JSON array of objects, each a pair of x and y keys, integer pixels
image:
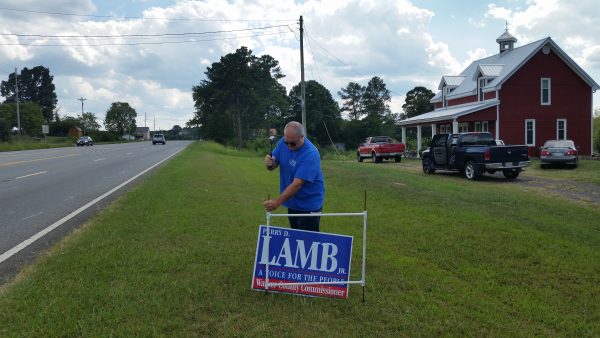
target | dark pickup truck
[{"x": 472, "y": 154}]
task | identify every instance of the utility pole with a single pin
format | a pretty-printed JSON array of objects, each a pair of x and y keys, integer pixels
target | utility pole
[
  {"x": 302, "y": 86},
  {"x": 17, "y": 95},
  {"x": 82, "y": 99}
]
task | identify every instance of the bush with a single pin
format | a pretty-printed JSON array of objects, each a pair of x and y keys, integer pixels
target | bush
[
  {"x": 103, "y": 136},
  {"x": 597, "y": 133}
]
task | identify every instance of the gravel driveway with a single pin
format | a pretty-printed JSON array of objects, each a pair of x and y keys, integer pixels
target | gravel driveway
[{"x": 573, "y": 190}]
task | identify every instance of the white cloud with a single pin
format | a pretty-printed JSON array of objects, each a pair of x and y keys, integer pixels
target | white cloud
[
  {"x": 498, "y": 12},
  {"x": 440, "y": 57},
  {"x": 349, "y": 40}
]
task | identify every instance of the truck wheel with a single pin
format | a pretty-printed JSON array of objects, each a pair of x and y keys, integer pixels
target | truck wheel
[
  {"x": 358, "y": 158},
  {"x": 471, "y": 172},
  {"x": 428, "y": 167},
  {"x": 398, "y": 158},
  {"x": 374, "y": 158},
  {"x": 511, "y": 174}
]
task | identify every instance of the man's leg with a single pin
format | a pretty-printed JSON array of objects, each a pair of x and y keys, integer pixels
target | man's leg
[
  {"x": 304, "y": 223},
  {"x": 294, "y": 221}
]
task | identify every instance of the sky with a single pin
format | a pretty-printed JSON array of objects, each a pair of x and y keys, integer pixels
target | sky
[{"x": 150, "y": 53}]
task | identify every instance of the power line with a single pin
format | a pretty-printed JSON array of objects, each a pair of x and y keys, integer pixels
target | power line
[
  {"x": 314, "y": 57},
  {"x": 141, "y": 35},
  {"x": 143, "y": 43},
  {"x": 137, "y": 17}
]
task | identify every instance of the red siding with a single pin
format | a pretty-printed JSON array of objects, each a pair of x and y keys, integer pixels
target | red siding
[
  {"x": 489, "y": 96},
  {"x": 438, "y": 105},
  {"x": 571, "y": 99},
  {"x": 487, "y": 114},
  {"x": 462, "y": 100}
]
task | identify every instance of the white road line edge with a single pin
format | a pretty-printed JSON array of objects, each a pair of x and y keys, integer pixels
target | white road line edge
[
  {"x": 41, "y": 172},
  {"x": 61, "y": 221},
  {"x": 32, "y": 216}
]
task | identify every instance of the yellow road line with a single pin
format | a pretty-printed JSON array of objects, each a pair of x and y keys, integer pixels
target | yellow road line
[{"x": 36, "y": 160}]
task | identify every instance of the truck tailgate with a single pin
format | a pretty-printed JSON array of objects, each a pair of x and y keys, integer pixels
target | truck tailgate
[
  {"x": 508, "y": 154},
  {"x": 391, "y": 148}
]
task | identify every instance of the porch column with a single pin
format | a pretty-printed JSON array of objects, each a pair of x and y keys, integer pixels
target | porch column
[
  {"x": 403, "y": 135},
  {"x": 418, "y": 139},
  {"x": 454, "y": 127},
  {"x": 497, "y": 121},
  {"x": 433, "y": 131}
]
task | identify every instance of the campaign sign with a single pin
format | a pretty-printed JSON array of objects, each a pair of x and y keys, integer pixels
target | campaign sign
[{"x": 299, "y": 256}]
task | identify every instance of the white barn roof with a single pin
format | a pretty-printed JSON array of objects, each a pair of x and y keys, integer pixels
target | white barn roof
[
  {"x": 449, "y": 113},
  {"x": 502, "y": 66}
]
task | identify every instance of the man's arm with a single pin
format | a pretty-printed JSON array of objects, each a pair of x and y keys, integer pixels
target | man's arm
[
  {"x": 291, "y": 189},
  {"x": 270, "y": 163}
]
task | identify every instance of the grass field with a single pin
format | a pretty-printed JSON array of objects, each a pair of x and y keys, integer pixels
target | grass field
[
  {"x": 445, "y": 256},
  {"x": 26, "y": 143}
]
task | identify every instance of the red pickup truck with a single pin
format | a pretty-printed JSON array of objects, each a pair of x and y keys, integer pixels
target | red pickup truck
[{"x": 379, "y": 148}]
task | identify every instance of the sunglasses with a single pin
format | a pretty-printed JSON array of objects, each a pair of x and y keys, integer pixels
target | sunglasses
[{"x": 291, "y": 144}]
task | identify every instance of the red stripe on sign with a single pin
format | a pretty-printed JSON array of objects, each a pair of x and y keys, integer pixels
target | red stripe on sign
[{"x": 319, "y": 290}]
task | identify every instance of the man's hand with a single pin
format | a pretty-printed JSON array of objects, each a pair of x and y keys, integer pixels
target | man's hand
[
  {"x": 271, "y": 205},
  {"x": 270, "y": 162}
]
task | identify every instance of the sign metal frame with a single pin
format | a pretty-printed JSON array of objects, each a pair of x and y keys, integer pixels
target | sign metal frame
[{"x": 362, "y": 281}]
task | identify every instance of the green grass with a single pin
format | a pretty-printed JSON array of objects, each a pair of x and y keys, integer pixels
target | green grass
[
  {"x": 445, "y": 256},
  {"x": 587, "y": 171},
  {"x": 27, "y": 143}
]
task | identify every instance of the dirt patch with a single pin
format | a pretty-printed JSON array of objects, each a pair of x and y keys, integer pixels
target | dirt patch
[
  {"x": 569, "y": 189},
  {"x": 577, "y": 191}
]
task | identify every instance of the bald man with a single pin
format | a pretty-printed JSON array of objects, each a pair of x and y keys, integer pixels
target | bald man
[{"x": 301, "y": 185}]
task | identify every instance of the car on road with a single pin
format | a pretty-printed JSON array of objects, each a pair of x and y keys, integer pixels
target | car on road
[
  {"x": 158, "y": 138},
  {"x": 559, "y": 152},
  {"x": 85, "y": 141}
]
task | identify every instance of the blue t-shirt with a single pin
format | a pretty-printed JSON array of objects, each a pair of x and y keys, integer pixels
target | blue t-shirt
[{"x": 305, "y": 164}]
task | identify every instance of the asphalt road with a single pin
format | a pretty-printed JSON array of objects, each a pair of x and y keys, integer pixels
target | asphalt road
[{"x": 46, "y": 193}]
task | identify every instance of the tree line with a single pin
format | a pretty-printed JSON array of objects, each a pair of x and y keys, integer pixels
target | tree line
[
  {"x": 241, "y": 99},
  {"x": 38, "y": 106}
]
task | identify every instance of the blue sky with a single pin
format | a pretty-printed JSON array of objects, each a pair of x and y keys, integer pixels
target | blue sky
[{"x": 407, "y": 43}]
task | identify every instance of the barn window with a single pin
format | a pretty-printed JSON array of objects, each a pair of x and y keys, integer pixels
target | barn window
[
  {"x": 545, "y": 91},
  {"x": 482, "y": 126},
  {"x": 561, "y": 129},
  {"x": 463, "y": 127},
  {"x": 530, "y": 132},
  {"x": 445, "y": 92},
  {"x": 480, "y": 85}
]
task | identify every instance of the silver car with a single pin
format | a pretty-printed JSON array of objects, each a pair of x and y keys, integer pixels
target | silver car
[
  {"x": 559, "y": 152},
  {"x": 158, "y": 138}
]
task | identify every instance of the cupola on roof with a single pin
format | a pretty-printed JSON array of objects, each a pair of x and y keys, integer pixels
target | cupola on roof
[{"x": 506, "y": 41}]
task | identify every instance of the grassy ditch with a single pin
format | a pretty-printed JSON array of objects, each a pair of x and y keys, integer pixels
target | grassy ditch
[
  {"x": 445, "y": 257},
  {"x": 28, "y": 143}
]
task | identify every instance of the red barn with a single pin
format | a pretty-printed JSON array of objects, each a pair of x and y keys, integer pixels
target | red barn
[{"x": 523, "y": 95}]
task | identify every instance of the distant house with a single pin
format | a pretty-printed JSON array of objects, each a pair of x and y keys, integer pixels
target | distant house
[
  {"x": 142, "y": 133},
  {"x": 75, "y": 132},
  {"x": 523, "y": 95}
]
